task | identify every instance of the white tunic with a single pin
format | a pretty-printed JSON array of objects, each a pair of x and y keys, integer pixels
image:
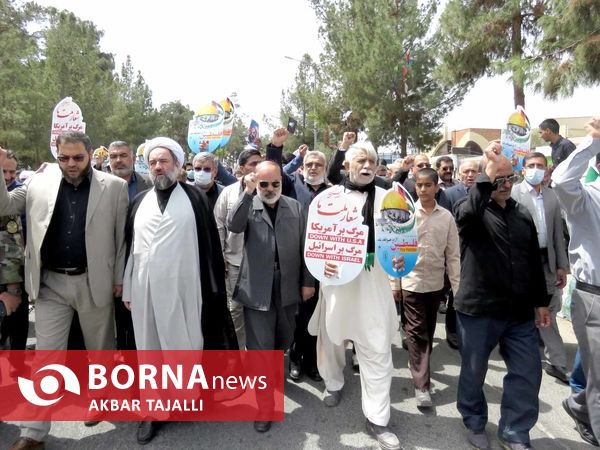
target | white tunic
[
  {"x": 162, "y": 277},
  {"x": 362, "y": 310}
]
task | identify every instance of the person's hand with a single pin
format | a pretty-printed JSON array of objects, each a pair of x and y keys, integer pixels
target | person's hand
[
  {"x": 302, "y": 150},
  {"x": 331, "y": 269},
  {"x": 492, "y": 157},
  {"x": 250, "y": 183},
  {"x": 11, "y": 302},
  {"x": 398, "y": 263},
  {"x": 280, "y": 135},
  {"x": 561, "y": 278},
  {"x": 127, "y": 305},
  {"x": 257, "y": 143},
  {"x": 347, "y": 140},
  {"x": 307, "y": 293},
  {"x": 407, "y": 163},
  {"x": 117, "y": 290},
  {"x": 3, "y": 155},
  {"x": 203, "y": 146},
  {"x": 397, "y": 295},
  {"x": 544, "y": 318},
  {"x": 593, "y": 128}
]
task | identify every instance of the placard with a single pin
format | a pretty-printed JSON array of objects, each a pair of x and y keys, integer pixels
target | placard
[
  {"x": 396, "y": 231},
  {"x": 335, "y": 233}
]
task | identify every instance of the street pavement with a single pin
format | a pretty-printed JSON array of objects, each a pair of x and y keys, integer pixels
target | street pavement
[{"x": 309, "y": 424}]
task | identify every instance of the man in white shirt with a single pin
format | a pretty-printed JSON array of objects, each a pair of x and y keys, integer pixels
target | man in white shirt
[
  {"x": 581, "y": 203},
  {"x": 543, "y": 206}
]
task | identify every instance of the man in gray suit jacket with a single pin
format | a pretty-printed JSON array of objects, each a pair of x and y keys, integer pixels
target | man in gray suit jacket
[
  {"x": 75, "y": 253},
  {"x": 273, "y": 278},
  {"x": 543, "y": 206}
]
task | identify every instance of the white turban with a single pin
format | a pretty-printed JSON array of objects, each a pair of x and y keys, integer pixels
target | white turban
[{"x": 164, "y": 142}]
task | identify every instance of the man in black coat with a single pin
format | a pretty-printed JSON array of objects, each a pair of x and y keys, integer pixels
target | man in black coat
[{"x": 502, "y": 284}]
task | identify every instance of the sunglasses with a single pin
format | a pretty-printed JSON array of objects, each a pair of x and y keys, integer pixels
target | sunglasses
[
  {"x": 315, "y": 165},
  {"x": 424, "y": 165},
  {"x": 202, "y": 169},
  {"x": 265, "y": 184},
  {"x": 76, "y": 158},
  {"x": 500, "y": 181}
]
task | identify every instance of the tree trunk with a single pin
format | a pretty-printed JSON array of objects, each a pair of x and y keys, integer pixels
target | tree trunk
[
  {"x": 403, "y": 143},
  {"x": 517, "y": 52}
]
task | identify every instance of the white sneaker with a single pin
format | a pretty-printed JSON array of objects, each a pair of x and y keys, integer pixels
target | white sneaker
[{"x": 423, "y": 398}]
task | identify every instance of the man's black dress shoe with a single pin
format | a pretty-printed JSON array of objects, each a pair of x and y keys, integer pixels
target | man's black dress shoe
[
  {"x": 262, "y": 426},
  {"x": 313, "y": 374},
  {"x": 556, "y": 372},
  {"x": 295, "y": 371},
  {"x": 584, "y": 430},
  {"x": 146, "y": 431}
]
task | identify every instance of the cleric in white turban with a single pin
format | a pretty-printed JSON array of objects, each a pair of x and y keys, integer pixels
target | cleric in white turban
[
  {"x": 164, "y": 142},
  {"x": 176, "y": 303}
]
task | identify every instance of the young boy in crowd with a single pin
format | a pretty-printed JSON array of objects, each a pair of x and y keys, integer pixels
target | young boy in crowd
[{"x": 423, "y": 287}]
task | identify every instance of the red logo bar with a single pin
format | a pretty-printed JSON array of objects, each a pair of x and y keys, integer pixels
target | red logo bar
[{"x": 177, "y": 385}]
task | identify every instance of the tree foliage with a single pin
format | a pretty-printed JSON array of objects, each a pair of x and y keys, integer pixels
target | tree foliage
[
  {"x": 550, "y": 45},
  {"x": 368, "y": 72},
  {"x": 63, "y": 58}
]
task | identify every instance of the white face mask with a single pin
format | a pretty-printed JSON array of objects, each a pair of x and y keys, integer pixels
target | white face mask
[
  {"x": 534, "y": 176},
  {"x": 315, "y": 181},
  {"x": 202, "y": 178}
]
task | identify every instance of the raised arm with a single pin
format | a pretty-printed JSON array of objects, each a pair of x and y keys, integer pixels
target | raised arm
[{"x": 566, "y": 178}]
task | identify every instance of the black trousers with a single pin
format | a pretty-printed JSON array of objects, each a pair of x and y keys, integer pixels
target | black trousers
[
  {"x": 450, "y": 314},
  {"x": 124, "y": 326},
  {"x": 304, "y": 348},
  {"x": 16, "y": 326}
]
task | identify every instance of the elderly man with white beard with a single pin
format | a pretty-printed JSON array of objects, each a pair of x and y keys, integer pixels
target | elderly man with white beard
[
  {"x": 362, "y": 311},
  {"x": 174, "y": 280},
  {"x": 273, "y": 278}
]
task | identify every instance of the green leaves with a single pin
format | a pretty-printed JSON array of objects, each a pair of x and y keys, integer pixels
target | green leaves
[
  {"x": 551, "y": 46},
  {"x": 366, "y": 70},
  {"x": 63, "y": 58}
]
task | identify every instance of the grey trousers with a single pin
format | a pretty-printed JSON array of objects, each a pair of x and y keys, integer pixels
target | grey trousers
[
  {"x": 554, "y": 347},
  {"x": 236, "y": 309},
  {"x": 59, "y": 296},
  {"x": 585, "y": 312}
]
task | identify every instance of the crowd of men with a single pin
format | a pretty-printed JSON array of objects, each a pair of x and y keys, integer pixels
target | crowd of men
[{"x": 491, "y": 251}]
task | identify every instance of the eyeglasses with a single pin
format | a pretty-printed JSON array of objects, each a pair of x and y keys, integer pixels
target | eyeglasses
[
  {"x": 265, "y": 184},
  {"x": 500, "y": 181},
  {"x": 202, "y": 169},
  {"x": 315, "y": 165},
  {"x": 447, "y": 169},
  {"x": 65, "y": 158},
  {"x": 424, "y": 165}
]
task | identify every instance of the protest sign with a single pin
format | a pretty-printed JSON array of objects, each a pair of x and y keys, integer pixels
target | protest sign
[
  {"x": 335, "y": 233},
  {"x": 206, "y": 126},
  {"x": 65, "y": 117},
  {"x": 516, "y": 138},
  {"x": 396, "y": 231}
]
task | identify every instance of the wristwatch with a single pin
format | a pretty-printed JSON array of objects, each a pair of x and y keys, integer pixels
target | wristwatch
[{"x": 14, "y": 291}]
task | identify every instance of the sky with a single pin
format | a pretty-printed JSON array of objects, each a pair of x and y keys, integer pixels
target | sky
[{"x": 198, "y": 51}]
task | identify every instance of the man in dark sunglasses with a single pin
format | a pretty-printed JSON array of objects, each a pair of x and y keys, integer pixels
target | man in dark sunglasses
[
  {"x": 273, "y": 278},
  {"x": 444, "y": 166},
  {"x": 502, "y": 286},
  {"x": 75, "y": 251}
]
